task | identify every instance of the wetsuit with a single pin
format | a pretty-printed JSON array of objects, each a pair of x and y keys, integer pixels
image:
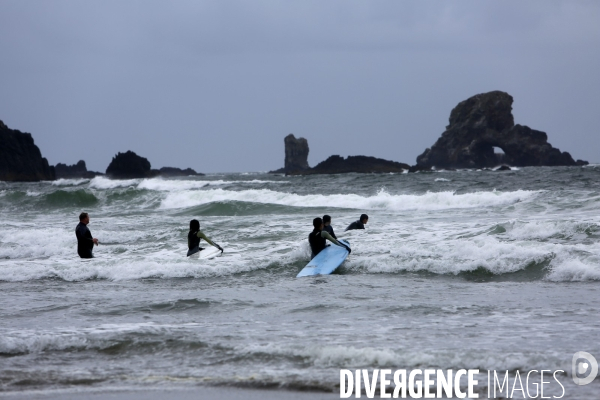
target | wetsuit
[
  {"x": 85, "y": 242},
  {"x": 355, "y": 225},
  {"x": 317, "y": 240},
  {"x": 194, "y": 239},
  {"x": 329, "y": 230}
]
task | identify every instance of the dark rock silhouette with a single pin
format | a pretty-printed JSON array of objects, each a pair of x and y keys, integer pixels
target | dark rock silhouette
[
  {"x": 296, "y": 154},
  {"x": 20, "y": 159},
  {"x": 483, "y": 122},
  {"x": 130, "y": 166},
  {"x": 362, "y": 164},
  {"x": 78, "y": 170},
  {"x": 172, "y": 171},
  {"x": 296, "y": 162}
]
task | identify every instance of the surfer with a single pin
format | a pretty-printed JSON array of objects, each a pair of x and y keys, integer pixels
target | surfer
[
  {"x": 360, "y": 224},
  {"x": 85, "y": 241},
  {"x": 195, "y": 236},
  {"x": 317, "y": 238},
  {"x": 327, "y": 225}
]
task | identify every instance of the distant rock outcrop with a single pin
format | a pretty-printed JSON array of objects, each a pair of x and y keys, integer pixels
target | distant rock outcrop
[
  {"x": 483, "y": 122},
  {"x": 361, "y": 164},
  {"x": 78, "y": 170},
  {"x": 296, "y": 162},
  {"x": 172, "y": 171},
  {"x": 296, "y": 154},
  {"x": 20, "y": 159},
  {"x": 130, "y": 166}
]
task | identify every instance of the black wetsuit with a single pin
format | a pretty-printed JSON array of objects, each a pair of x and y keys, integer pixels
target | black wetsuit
[
  {"x": 85, "y": 242},
  {"x": 194, "y": 239},
  {"x": 329, "y": 230},
  {"x": 317, "y": 240},
  {"x": 355, "y": 225}
]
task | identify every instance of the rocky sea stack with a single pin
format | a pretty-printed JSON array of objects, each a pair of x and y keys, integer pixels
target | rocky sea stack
[
  {"x": 296, "y": 162},
  {"x": 483, "y": 122},
  {"x": 129, "y": 165},
  {"x": 296, "y": 155},
  {"x": 20, "y": 159},
  {"x": 78, "y": 170}
]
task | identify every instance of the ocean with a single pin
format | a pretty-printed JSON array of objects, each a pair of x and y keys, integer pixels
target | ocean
[{"x": 468, "y": 269}]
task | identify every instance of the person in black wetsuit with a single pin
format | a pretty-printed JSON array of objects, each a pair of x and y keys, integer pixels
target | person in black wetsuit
[
  {"x": 195, "y": 236},
  {"x": 327, "y": 226},
  {"x": 85, "y": 241},
  {"x": 318, "y": 238},
  {"x": 360, "y": 224}
]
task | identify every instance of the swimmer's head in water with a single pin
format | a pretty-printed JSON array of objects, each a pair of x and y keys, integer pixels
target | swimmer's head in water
[
  {"x": 364, "y": 218},
  {"x": 194, "y": 225},
  {"x": 317, "y": 222}
]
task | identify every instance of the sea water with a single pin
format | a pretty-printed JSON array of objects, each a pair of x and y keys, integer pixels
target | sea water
[{"x": 465, "y": 269}]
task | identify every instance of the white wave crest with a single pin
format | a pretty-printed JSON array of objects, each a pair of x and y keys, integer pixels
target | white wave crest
[
  {"x": 101, "y": 182},
  {"x": 380, "y": 201},
  {"x": 161, "y": 184},
  {"x": 328, "y": 356},
  {"x": 166, "y": 185},
  {"x": 69, "y": 182}
]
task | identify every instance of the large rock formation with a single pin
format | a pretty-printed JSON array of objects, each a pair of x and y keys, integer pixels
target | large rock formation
[
  {"x": 172, "y": 171},
  {"x": 296, "y": 154},
  {"x": 362, "y": 164},
  {"x": 483, "y": 122},
  {"x": 130, "y": 166},
  {"x": 78, "y": 170},
  {"x": 20, "y": 158}
]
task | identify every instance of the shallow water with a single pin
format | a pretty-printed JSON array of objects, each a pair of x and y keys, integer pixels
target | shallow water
[{"x": 465, "y": 269}]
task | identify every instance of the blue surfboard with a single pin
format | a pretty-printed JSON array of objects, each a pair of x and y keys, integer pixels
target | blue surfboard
[{"x": 326, "y": 261}]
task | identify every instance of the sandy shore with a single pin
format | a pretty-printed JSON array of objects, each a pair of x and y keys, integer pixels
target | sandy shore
[{"x": 198, "y": 393}]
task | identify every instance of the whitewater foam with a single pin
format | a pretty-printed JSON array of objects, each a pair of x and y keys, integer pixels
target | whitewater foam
[
  {"x": 69, "y": 182},
  {"x": 101, "y": 182},
  {"x": 380, "y": 201}
]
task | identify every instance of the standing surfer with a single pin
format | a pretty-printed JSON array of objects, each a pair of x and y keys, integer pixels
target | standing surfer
[
  {"x": 327, "y": 226},
  {"x": 317, "y": 238},
  {"x": 85, "y": 241},
  {"x": 360, "y": 224},
  {"x": 195, "y": 236}
]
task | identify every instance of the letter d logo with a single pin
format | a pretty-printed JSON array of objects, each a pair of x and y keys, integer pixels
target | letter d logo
[{"x": 581, "y": 367}]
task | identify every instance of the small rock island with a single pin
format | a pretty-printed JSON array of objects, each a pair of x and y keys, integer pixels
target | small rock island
[
  {"x": 78, "y": 170},
  {"x": 296, "y": 162},
  {"x": 129, "y": 165}
]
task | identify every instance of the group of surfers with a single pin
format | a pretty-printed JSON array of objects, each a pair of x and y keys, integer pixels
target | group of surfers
[{"x": 322, "y": 231}]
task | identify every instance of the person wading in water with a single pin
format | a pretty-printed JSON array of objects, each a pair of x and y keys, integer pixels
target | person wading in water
[
  {"x": 85, "y": 241},
  {"x": 195, "y": 236}
]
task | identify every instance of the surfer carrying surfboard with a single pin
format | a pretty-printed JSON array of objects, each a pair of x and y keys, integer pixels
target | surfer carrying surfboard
[
  {"x": 318, "y": 238},
  {"x": 195, "y": 236}
]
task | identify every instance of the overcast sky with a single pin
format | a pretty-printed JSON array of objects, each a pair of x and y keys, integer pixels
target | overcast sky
[{"x": 217, "y": 85}]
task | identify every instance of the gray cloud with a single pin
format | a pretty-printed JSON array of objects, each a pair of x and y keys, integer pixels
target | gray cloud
[{"x": 216, "y": 85}]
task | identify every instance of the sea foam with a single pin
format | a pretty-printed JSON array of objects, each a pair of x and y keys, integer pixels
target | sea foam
[{"x": 380, "y": 201}]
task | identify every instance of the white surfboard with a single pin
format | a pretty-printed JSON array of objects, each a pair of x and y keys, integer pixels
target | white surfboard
[{"x": 206, "y": 254}]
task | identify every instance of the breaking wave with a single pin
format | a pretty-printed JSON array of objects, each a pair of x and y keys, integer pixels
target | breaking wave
[{"x": 380, "y": 201}]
